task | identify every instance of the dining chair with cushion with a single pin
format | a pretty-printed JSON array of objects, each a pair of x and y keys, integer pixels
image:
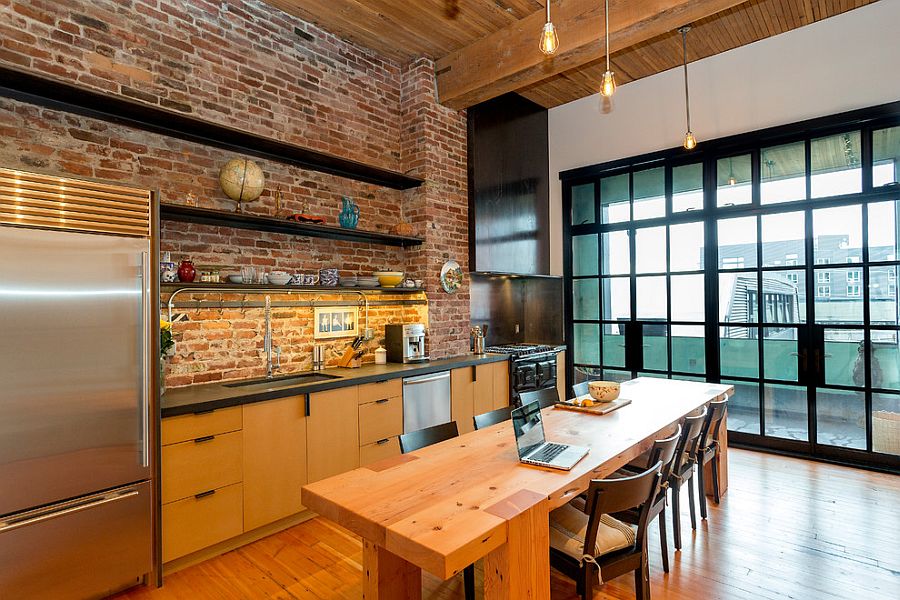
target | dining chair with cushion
[
  {"x": 708, "y": 451},
  {"x": 588, "y": 543},
  {"x": 492, "y": 418},
  {"x": 421, "y": 438},
  {"x": 547, "y": 397},
  {"x": 683, "y": 471}
]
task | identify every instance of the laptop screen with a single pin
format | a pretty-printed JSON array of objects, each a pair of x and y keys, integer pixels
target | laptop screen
[{"x": 528, "y": 428}]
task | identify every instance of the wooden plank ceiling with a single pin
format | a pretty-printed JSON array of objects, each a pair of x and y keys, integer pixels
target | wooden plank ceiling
[{"x": 405, "y": 29}]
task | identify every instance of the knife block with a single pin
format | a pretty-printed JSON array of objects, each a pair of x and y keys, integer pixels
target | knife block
[{"x": 347, "y": 360}]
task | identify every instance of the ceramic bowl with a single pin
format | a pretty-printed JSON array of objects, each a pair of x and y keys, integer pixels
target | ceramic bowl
[
  {"x": 235, "y": 278},
  {"x": 279, "y": 278},
  {"x": 389, "y": 278},
  {"x": 604, "y": 391}
]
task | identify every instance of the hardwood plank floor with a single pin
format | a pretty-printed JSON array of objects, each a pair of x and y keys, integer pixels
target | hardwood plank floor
[{"x": 787, "y": 528}]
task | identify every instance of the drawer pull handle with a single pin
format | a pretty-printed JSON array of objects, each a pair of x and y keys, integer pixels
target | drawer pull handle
[
  {"x": 205, "y": 438},
  {"x": 572, "y": 491},
  {"x": 383, "y": 381},
  {"x": 205, "y": 412},
  {"x": 384, "y": 441},
  {"x": 204, "y": 494},
  {"x": 382, "y": 401}
]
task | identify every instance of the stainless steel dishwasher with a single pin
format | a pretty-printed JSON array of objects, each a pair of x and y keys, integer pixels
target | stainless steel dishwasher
[{"x": 426, "y": 401}]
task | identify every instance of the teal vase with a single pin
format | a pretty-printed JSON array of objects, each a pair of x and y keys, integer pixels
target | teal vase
[{"x": 349, "y": 216}]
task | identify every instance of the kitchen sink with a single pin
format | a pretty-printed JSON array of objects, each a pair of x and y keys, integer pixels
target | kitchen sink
[{"x": 283, "y": 379}]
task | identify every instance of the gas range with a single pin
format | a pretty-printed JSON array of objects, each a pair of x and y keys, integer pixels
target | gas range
[
  {"x": 517, "y": 351},
  {"x": 531, "y": 367}
]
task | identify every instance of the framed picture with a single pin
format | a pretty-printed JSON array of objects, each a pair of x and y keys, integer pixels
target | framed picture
[{"x": 336, "y": 322}]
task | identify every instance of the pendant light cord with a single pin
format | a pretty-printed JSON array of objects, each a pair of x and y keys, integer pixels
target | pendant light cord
[
  {"x": 606, "y": 14},
  {"x": 687, "y": 98}
]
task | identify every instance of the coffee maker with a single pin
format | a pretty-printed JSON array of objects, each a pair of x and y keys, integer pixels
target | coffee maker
[{"x": 405, "y": 343}]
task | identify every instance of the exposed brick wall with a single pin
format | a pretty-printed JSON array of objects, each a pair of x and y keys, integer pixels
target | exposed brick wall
[{"x": 250, "y": 66}]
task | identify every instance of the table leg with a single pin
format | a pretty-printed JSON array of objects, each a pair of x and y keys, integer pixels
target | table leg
[
  {"x": 520, "y": 569},
  {"x": 387, "y": 576},
  {"x": 721, "y": 476}
]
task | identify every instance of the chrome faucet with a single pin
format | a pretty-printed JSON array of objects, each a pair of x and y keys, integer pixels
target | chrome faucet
[{"x": 267, "y": 342}]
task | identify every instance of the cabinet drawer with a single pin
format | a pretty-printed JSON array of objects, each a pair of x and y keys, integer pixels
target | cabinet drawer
[
  {"x": 378, "y": 451},
  {"x": 199, "y": 465},
  {"x": 371, "y": 392},
  {"x": 193, "y": 426},
  {"x": 196, "y": 523},
  {"x": 380, "y": 419}
]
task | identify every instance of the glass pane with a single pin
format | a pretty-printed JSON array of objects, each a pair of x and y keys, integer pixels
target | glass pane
[
  {"x": 583, "y": 204},
  {"x": 783, "y": 173},
  {"x": 841, "y": 418},
  {"x": 886, "y": 156},
  {"x": 885, "y": 360},
  {"x": 650, "y": 250},
  {"x": 686, "y": 244},
  {"x": 733, "y": 181},
  {"x": 884, "y": 308},
  {"x": 585, "y": 299},
  {"x": 614, "y": 199},
  {"x": 784, "y": 239},
  {"x": 655, "y": 349},
  {"x": 651, "y": 298},
  {"x": 739, "y": 351},
  {"x": 786, "y": 412},
  {"x": 688, "y": 299},
  {"x": 688, "y": 348},
  {"x": 613, "y": 375},
  {"x": 613, "y": 345},
  {"x": 587, "y": 343},
  {"x": 780, "y": 359},
  {"x": 616, "y": 298},
  {"x": 738, "y": 298},
  {"x": 837, "y": 235},
  {"x": 836, "y": 161},
  {"x": 616, "y": 256},
  {"x": 845, "y": 357},
  {"x": 839, "y": 296},
  {"x": 737, "y": 243},
  {"x": 784, "y": 297},
  {"x": 743, "y": 407},
  {"x": 584, "y": 255},
  {"x": 885, "y": 421},
  {"x": 649, "y": 193},
  {"x": 884, "y": 231},
  {"x": 687, "y": 188}
]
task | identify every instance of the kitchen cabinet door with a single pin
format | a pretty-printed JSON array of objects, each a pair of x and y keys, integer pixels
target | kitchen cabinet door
[
  {"x": 332, "y": 433},
  {"x": 564, "y": 394},
  {"x": 274, "y": 459},
  {"x": 462, "y": 398},
  {"x": 500, "y": 384},
  {"x": 484, "y": 388}
]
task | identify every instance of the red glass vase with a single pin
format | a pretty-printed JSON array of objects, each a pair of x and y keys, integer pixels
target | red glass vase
[{"x": 186, "y": 272}]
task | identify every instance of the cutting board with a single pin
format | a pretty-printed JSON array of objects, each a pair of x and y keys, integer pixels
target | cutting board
[{"x": 597, "y": 409}]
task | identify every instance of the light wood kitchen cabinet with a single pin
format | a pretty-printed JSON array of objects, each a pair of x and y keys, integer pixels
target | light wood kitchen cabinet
[
  {"x": 332, "y": 433},
  {"x": 201, "y": 521},
  {"x": 274, "y": 459},
  {"x": 500, "y": 374},
  {"x": 199, "y": 465},
  {"x": 484, "y": 388},
  {"x": 380, "y": 419},
  {"x": 196, "y": 425},
  {"x": 477, "y": 390},
  {"x": 462, "y": 398},
  {"x": 384, "y": 448}
]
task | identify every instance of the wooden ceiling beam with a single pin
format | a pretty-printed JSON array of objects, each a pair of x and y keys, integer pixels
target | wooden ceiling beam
[{"x": 508, "y": 59}]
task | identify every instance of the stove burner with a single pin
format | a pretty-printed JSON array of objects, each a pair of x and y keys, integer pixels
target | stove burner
[{"x": 520, "y": 350}]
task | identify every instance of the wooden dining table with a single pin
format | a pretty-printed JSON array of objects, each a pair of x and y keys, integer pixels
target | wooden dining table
[{"x": 445, "y": 506}]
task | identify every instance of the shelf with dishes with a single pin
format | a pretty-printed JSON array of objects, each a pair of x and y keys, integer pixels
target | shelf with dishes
[{"x": 286, "y": 289}]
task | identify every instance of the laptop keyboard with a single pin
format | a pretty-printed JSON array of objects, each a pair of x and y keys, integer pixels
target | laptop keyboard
[{"x": 548, "y": 452}]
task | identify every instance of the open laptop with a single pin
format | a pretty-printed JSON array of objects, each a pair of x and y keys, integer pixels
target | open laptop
[{"x": 534, "y": 449}]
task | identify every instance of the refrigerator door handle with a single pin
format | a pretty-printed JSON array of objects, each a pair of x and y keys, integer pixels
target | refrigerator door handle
[
  {"x": 52, "y": 512},
  {"x": 145, "y": 359}
]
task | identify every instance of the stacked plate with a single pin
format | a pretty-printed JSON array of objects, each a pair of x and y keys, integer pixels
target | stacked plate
[
  {"x": 367, "y": 281},
  {"x": 349, "y": 281}
]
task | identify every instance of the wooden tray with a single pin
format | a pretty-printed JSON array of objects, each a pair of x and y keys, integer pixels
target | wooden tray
[{"x": 598, "y": 409}]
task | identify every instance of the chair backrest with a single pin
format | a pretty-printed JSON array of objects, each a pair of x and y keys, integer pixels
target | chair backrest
[
  {"x": 492, "y": 418},
  {"x": 428, "y": 436},
  {"x": 606, "y": 496},
  {"x": 580, "y": 389},
  {"x": 715, "y": 413},
  {"x": 663, "y": 451},
  {"x": 686, "y": 450},
  {"x": 547, "y": 397}
]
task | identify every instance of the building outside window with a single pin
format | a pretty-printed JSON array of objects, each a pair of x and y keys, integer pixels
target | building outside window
[
  {"x": 853, "y": 291},
  {"x": 823, "y": 291}
]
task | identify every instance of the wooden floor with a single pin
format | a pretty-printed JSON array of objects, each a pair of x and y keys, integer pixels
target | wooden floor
[{"x": 787, "y": 528}]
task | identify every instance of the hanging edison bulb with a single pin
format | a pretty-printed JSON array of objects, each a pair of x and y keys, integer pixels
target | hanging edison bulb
[
  {"x": 690, "y": 142},
  {"x": 549, "y": 39},
  {"x": 608, "y": 84}
]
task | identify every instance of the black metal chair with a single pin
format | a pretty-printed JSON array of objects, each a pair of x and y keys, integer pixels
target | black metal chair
[
  {"x": 583, "y": 541},
  {"x": 415, "y": 440},
  {"x": 492, "y": 418},
  {"x": 708, "y": 451},
  {"x": 581, "y": 389},
  {"x": 547, "y": 397},
  {"x": 683, "y": 470}
]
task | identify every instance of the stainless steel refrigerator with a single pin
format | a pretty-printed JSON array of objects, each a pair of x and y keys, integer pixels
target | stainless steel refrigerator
[{"x": 75, "y": 406}]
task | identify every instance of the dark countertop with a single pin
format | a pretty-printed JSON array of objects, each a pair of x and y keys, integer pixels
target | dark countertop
[{"x": 206, "y": 397}]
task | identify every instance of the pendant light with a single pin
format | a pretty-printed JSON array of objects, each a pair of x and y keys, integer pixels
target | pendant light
[
  {"x": 608, "y": 84},
  {"x": 690, "y": 142},
  {"x": 549, "y": 39},
  {"x": 732, "y": 180}
]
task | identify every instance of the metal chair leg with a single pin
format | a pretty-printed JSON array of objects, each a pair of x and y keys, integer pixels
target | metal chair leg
[
  {"x": 701, "y": 485},
  {"x": 469, "y": 582},
  {"x": 691, "y": 503},
  {"x": 663, "y": 543},
  {"x": 676, "y": 515},
  {"x": 715, "y": 476}
]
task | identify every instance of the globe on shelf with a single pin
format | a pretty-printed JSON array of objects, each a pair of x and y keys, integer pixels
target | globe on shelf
[{"x": 242, "y": 180}]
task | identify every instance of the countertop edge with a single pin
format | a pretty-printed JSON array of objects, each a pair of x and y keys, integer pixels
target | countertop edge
[{"x": 221, "y": 397}]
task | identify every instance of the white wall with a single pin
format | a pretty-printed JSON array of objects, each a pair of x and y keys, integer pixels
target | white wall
[{"x": 842, "y": 63}]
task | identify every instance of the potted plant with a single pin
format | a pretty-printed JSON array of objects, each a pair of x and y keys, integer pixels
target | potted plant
[{"x": 166, "y": 344}]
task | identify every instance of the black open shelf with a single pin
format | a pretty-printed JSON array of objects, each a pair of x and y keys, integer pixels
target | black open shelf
[
  {"x": 283, "y": 289},
  {"x": 64, "y": 96},
  {"x": 205, "y": 216}
]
